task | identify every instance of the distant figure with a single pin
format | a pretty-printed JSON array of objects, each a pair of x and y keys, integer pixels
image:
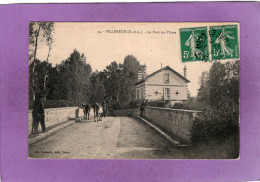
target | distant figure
[
  {"x": 105, "y": 109},
  {"x": 38, "y": 115},
  {"x": 97, "y": 112},
  {"x": 77, "y": 113},
  {"x": 142, "y": 107},
  {"x": 86, "y": 110}
]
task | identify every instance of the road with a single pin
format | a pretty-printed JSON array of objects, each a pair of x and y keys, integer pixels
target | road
[{"x": 112, "y": 138}]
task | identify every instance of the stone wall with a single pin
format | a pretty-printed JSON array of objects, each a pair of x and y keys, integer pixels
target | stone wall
[
  {"x": 55, "y": 116},
  {"x": 177, "y": 121}
]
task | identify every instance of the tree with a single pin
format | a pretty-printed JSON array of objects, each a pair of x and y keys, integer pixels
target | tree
[
  {"x": 114, "y": 75},
  {"x": 38, "y": 30},
  {"x": 203, "y": 93},
  {"x": 97, "y": 89},
  {"x": 221, "y": 85},
  {"x": 130, "y": 72},
  {"x": 76, "y": 74}
]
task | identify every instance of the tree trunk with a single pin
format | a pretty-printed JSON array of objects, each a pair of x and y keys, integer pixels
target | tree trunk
[
  {"x": 45, "y": 81},
  {"x": 34, "y": 64},
  {"x": 118, "y": 92},
  {"x": 45, "y": 73}
]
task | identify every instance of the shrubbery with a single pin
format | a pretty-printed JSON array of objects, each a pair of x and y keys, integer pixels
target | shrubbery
[
  {"x": 56, "y": 104},
  {"x": 216, "y": 124},
  {"x": 158, "y": 103}
]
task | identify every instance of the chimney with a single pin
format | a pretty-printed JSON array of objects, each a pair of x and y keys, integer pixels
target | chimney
[
  {"x": 185, "y": 71},
  {"x": 141, "y": 72},
  {"x": 144, "y": 72},
  {"x": 139, "y": 76}
]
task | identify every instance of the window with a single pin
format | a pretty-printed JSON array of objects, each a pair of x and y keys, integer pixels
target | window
[{"x": 166, "y": 78}]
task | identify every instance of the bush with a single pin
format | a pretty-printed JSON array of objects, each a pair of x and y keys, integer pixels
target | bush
[
  {"x": 216, "y": 124},
  {"x": 55, "y": 104},
  {"x": 179, "y": 106},
  {"x": 135, "y": 104},
  {"x": 158, "y": 103}
]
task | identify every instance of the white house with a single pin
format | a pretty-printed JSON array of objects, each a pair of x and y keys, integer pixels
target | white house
[{"x": 164, "y": 84}]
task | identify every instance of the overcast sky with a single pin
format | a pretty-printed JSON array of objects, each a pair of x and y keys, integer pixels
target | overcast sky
[{"x": 102, "y": 48}]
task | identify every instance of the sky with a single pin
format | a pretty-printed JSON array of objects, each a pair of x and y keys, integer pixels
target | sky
[{"x": 103, "y": 43}]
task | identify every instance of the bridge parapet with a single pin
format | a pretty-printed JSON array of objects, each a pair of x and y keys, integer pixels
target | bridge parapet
[
  {"x": 177, "y": 121},
  {"x": 55, "y": 116}
]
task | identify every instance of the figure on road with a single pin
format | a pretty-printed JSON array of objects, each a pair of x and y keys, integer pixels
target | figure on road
[
  {"x": 97, "y": 112},
  {"x": 105, "y": 109},
  {"x": 142, "y": 107},
  {"x": 86, "y": 110},
  {"x": 38, "y": 115}
]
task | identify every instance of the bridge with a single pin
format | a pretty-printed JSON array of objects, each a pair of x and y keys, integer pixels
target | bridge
[{"x": 122, "y": 137}]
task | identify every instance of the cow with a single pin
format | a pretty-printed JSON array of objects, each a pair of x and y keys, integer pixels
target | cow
[{"x": 86, "y": 110}]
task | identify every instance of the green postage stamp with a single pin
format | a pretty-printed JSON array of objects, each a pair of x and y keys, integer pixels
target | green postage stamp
[
  {"x": 194, "y": 44},
  {"x": 224, "y": 42},
  {"x": 209, "y": 43}
]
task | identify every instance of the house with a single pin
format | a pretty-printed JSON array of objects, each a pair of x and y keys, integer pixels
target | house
[{"x": 165, "y": 84}]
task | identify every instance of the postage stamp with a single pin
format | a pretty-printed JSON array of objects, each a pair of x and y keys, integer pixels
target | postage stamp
[
  {"x": 194, "y": 44},
  {"x": 224, "y": 42}
]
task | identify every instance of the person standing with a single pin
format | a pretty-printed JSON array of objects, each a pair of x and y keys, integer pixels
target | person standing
[
  {"x": 38, "y": 115},
  {"x": 142, "y": 107}
]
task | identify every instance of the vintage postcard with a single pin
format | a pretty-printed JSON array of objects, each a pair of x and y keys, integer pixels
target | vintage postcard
[
  {"x": 139, "y": 90},
  {"x": 130, "y": 92}
]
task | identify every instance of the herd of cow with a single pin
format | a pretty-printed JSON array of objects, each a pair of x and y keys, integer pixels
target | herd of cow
[{"x": 100, "y": 110}]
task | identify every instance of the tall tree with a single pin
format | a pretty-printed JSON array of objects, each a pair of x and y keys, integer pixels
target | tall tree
[
  {"x": 97, "y": 89},
  {"x": 221, "y": 85},
  {"x": 130, "y": 72},
  {"x": 203, "y": 92},
  {"x": 39, "y": 30},
  {"x": 77, "y": 76},
  {"x": 114, "y": 75}
]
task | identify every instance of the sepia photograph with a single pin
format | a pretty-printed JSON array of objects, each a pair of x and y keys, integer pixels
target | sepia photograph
[{"x": 134, "y": 90}]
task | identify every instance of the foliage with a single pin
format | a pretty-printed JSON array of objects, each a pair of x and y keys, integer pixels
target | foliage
[
  {"x": 220, "y": 84},
  {"x": 68, "y": 81},
  {"x": 159, "y": 103},
  {"x": 97, "y": 89},
  {"x": 179, "y": 106},
  {"x": 216, "y": 124},
  {"x": 39, "y": 31},
  {"x": 219, "y": 98}
]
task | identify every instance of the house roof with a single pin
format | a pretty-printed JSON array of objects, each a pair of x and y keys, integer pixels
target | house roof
[{"x": 164, "y": 68}]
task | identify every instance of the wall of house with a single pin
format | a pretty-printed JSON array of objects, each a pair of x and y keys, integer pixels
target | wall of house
[
  {"x": 55, "y": 116},
  {"x": 142, "y": 90},
  {"x": 177, "y": 121},
  {"x": 155, "y": 84},
  {"x": 158, "y": 78},
  {"x": 152, "y": 89}
]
